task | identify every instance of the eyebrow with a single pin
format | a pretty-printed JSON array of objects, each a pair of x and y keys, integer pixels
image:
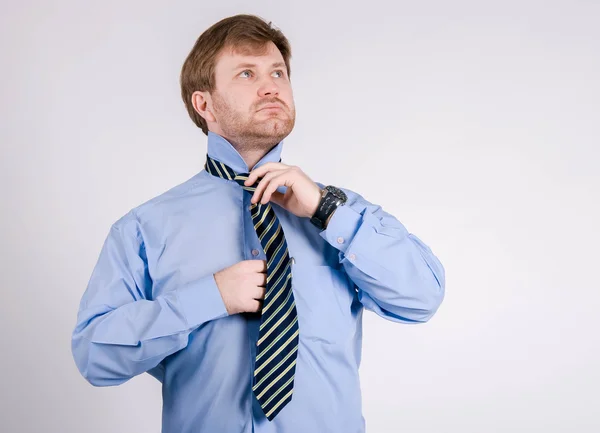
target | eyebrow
[{"x": 252, "y": 65}]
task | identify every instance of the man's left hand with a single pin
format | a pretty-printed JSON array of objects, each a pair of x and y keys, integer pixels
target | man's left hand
[{"x": 302, "y": 196}]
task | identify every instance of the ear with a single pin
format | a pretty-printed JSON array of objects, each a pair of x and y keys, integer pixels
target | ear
[{"x": 200, "y": 102}]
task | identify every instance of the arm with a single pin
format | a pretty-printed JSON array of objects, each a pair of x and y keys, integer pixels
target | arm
[
  {"x": 396, "y": 274},
  {"x": 121, "y": 331}
]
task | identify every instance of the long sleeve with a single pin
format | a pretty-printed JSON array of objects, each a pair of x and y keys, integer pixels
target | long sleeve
[
  {"x": 121, "y": 331},
  {"x": 396, "y": 275}
]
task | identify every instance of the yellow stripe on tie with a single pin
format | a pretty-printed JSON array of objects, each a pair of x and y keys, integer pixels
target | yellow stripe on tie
[
  {"x": 266, "y": 230},
  {"x": 255, "y": 387},
  {"x": 274, "y": 381},
  {"x": 268, "y": 244},
  {"x": 266, "y": 403},
  {"x": 281, "y": 319},
  {"x": 225, "y": 170},
  {"x": 276, "y": 283},
  {"x": 276, "y": 352},
  {"x": 275, "y": 297},
  {"x": 259, "y": 223},
  {"x": 274, "y": 271},
  {"x": 279, "y": 404},
  {"x": 274, "y": 254},
  {"x": 214, "y": 164}
]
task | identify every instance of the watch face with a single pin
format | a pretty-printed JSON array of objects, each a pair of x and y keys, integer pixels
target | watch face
[{"x": 337, "y": 192}]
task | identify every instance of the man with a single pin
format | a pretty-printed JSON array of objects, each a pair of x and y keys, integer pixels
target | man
[{"x": 242, "y": 289}]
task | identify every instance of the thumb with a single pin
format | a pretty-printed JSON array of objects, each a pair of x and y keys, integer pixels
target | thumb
[{"x": 277, "y": 198}]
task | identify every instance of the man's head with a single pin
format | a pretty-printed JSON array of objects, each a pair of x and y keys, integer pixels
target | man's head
[{"x": 236, "y": 68}]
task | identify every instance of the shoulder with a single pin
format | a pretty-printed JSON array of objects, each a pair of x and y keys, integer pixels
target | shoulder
[{"x": 161, "y": 205}]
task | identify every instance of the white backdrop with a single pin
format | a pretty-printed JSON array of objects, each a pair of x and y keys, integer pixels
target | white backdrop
[{"x": 476, "y": 125}]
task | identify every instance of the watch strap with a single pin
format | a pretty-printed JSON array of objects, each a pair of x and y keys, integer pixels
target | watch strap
[{"x": 327, "y": 206}]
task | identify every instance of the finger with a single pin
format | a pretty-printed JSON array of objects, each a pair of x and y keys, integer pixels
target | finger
[
  {"x": 259, "y": 293},
  {"x": 276, "y": 182},
  {"x": 255, "y": 306},
  {"x": 262, "y": 170},
  {"x": 263, "y": 184},
  {"x": 263, "y": 268},
  {"x": 258, "y": 266},
  {"x": 278, "y": 198},
  {"x": 261, "y": 279}
]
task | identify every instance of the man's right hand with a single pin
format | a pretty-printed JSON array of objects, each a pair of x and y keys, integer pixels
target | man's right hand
[{"x": 242, "y": 286}]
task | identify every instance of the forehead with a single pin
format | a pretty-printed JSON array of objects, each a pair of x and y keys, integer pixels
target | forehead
[{"x": 231, "y": 58}]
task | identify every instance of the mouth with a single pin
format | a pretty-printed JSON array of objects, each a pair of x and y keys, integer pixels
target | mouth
[{"x": 271, "y": 107}]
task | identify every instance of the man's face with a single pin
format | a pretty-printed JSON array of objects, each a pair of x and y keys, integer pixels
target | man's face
[{"x": 245, "y": 87}]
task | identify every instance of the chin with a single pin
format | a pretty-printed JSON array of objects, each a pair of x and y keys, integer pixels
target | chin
[{"x": 276, "y": 126}]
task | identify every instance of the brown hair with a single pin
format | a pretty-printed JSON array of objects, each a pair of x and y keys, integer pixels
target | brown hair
[{"x": 243, "y": 33}]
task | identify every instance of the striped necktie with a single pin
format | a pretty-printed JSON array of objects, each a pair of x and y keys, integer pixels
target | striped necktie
[{"x": 277, "y": 346}]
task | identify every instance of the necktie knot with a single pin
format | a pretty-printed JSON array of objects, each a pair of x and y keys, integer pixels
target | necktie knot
[{"x": 219, "y": 169}]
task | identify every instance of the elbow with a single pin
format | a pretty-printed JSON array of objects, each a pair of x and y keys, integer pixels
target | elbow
[
  {"x": 407, "y": 300},
  {"x": 96, "y": 380},
  {"x": 431, "y": 305},
  {"x": 414, "y": 308},
  {"x": 432, "y": 295},
  {"x": 431, "y": 286},
  {"x": 422, "y": 302},
  {"x": 429, "y": 281},
  {"x": 82, "y": 351}
]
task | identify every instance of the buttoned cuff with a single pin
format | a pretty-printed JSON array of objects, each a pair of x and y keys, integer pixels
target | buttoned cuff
[
  {"x": 342, "y": 227},
  {"x": 201, "y": 301}
]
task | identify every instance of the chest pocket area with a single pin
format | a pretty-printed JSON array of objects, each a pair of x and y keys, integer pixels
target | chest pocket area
[{"x": 323, "y": 297}]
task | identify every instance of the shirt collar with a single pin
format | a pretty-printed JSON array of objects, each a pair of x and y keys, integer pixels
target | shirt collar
[{"x": 222, "y": 150}]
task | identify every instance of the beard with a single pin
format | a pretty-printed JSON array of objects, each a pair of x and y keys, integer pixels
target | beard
[{"x": 247, "y": 131}]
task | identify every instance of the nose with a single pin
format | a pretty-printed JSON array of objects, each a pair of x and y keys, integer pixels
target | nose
[{"x": 268, "y": 87}]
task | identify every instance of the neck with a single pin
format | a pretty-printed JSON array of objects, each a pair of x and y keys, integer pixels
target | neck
[{"x": 251, "y": 149}]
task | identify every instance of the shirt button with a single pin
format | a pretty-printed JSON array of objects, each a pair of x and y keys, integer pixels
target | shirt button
[
  {"x": 340, "y": 240},
  {"x": 352, "y": 257},
  {"x": 255, "y": 252}
]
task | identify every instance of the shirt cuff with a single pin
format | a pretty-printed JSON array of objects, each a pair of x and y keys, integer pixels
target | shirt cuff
[
  {"x": 201, "y": 301},
  {"x": 342, "y": 227}
]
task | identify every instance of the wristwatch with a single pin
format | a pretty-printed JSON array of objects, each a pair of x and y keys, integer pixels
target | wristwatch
[{"x": 331, "y": 199}]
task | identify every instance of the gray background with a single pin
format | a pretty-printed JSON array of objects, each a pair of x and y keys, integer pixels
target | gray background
[{"x": 475, "y": 123}]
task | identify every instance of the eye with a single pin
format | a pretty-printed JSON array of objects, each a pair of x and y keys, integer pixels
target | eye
[
  {"x": 280, "y": 72},
  {"x": 246, "y": 71}
]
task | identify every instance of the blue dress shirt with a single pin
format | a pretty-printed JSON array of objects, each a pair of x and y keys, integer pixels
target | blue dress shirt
[{"x": 152, "y": 304}]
